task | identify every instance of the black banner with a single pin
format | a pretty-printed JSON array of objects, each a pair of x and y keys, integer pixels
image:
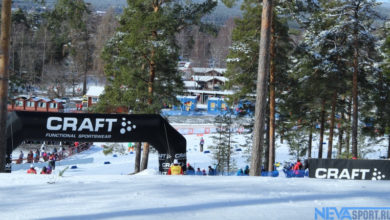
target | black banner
[
  {"x": 45, "y": 126},
  {"x": 349, "y": 169}
]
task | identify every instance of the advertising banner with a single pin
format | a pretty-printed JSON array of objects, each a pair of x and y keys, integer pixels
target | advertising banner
[
  {"x": 349, "y": 169},
  {"x": 71, "y": 127}
]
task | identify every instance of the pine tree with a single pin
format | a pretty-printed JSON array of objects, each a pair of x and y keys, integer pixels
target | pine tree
[
  {"x": 243, "y": 61},
  {"x": 223, "y": 150},
  {"x": 141, "y": 59}
]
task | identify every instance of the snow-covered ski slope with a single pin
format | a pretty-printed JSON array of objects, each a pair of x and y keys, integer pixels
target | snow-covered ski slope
[{"x": 104, "y": 191}]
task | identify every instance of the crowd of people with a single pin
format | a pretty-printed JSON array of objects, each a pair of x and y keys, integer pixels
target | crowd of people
[
  {"x": 176, "y": 169},
  {"x": 50, "y": 156}
]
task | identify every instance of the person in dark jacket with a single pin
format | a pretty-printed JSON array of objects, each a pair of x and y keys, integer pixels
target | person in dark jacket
[
  {"x": 52, "y": 161},
  {"x": 44, "y": 170},
  {"x": 246, "y": 171},
  {"x": 211, "y": 171}
]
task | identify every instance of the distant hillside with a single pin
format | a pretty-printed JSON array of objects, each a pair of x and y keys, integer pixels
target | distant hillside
[{"x": 219, "y": 16}]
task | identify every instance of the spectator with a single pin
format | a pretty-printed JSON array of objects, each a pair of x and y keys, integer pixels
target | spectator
[
  {"x": 30, "y": 157},
  {"x": 189, "y": 167},
  {"x": 36, "y": 156},
  {"x": 20, "y": 160},
  {"x": 240, "y": 172},
  {"x": 246, "y": 171},
  {"x": 52, "y": 161},
  {"x": 211, "y": 171},
  {"x": 32, "y": 170},
  {"x": 44, "y": 170},
  {"x": 44, "y": 156},
  {"x": 198, "y": 172},
  {"x": 76, "y": 146},
  {"x": 204, "y": 172},
  {"x": 175, "y": 168},
  {"x": 298, "y": 165},
  {"x": 201, "y": 143},
  {"x": 190, "y": 170}
]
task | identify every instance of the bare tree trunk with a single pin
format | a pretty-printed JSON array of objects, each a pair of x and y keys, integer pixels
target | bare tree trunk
[
  {"x": 271, "y": 160},
  {"x": 388, "y": 148},
  {"x": 4, "y": 74},
  {"x": 261, "y": 92},
  {"x": 348, "y": 130},
  {"x": 44, "y": 53},
  {"x": 322, "y": 129},
  {"x": 341, "y": 134},
  {"x": 137, "y": 157},
  {"x": 145, "y": 157},
  {"x": 331, "y": 129},
  {"x": 355, "y": 92},
  {"x": 310, "y": 141},
  {"x": 85, "y": 62}
]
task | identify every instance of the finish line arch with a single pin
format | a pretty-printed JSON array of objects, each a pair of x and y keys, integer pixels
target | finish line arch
[{"x": 46, "y": 126}]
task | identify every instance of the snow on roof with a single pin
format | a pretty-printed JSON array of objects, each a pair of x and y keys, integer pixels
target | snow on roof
[
  {"x": 59, "y": 100},
  {"x": 188, "y": 97},
  {"x": 44, "y": 99},
  {"x": 225, "y": 92},
  {"x": 216, "y": 99},
  {"x": 209, "y": 78},
  {"x": 189, "y": 84},
  {"x": 95, "y": 91},
  {"x": 206, "y": 70},
  {"x": 35, "y": 99}
]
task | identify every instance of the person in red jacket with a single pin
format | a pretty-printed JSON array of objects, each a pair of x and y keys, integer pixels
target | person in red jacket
[
  {"x": 32, "y": 170},
  {"x": 175, "y": 169},
  {"x": 298, "y": 165}
]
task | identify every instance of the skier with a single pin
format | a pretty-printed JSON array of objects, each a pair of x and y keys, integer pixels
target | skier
[
  {"x": 175, "y": 169},
  {"x": 201, "y": 144}
]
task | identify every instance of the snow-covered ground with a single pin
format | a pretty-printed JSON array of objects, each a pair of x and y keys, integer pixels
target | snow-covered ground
[{"x": 104, "y": 191}]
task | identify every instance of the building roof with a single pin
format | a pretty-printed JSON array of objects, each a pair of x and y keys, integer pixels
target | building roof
[
  {"x": 190, "y": 84},
  {"x": 95, "y": 91},
  {"x": 209, "y": 78},
  {"x": 206, "y": 70}
]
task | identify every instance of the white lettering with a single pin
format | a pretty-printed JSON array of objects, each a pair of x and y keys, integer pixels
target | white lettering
[
  {"x": 318, "y": 175},
  {"x": 86, "y": 124},
  {"x": 364, "y": 171},
  {"x": 344, "y": 174},
  {"x": 50, "y": 126},
  {"x": 99, "y": 123},
  {"x": 110, "y": 121},
  {"x": 70, "y": 123},
  {"x": 355, "y": 173},
  {"x": 333, "y": 172}
]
